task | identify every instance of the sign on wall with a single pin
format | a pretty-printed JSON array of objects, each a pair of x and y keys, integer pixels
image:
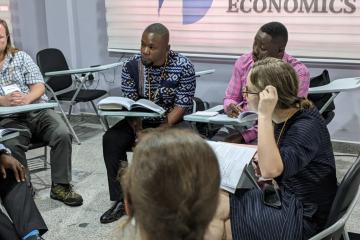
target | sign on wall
[{"x": 317, "y": 28}]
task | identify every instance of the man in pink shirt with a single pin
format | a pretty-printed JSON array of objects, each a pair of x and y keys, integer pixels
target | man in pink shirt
[{"x": 270, "y": 41}]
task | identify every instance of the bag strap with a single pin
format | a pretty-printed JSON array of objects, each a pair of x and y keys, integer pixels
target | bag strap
[{"x": 141, "y": 80}]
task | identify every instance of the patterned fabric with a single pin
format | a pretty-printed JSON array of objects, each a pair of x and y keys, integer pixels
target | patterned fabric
[
  {"x": 171, "y": 85},
  {"x": 308, "y": 185},
  {"x": 21, "y": 70},
  {"x": 238, "y": 79}
]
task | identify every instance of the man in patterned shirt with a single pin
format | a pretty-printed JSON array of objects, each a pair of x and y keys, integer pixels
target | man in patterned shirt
[
  {"x": 22, "y": 83},
  {"x": 270, "y": 41},
  {"x": 160, "y": 75}
]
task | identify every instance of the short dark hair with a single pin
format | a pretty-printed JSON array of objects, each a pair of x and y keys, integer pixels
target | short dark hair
[
  {"x": 277, "y": 31},
  {"x": 157, "y": 28}
]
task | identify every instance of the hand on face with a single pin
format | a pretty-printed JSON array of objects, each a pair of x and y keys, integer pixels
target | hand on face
[
  {"x": 16, "y": 98},
  {"x": 267, "y": 102}
]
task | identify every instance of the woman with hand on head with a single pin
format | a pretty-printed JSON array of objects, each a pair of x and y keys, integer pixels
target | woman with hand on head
[
  {"x": 294, "y": 149},
  {"x": 171, "y": 187}
]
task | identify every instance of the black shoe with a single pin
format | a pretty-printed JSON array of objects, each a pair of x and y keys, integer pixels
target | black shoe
[{"x": 114, "y": 213}]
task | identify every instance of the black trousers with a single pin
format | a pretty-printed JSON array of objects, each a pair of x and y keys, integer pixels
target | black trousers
[
  {"x": 116, "y": 142},
  {"x": 20, "y": 206}
]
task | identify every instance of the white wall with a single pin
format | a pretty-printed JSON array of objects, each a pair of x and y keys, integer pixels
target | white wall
[{"x": 78, "y": 28}]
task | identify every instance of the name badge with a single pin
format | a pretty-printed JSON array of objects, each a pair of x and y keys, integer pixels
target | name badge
[{"x": 10, "y": 88}]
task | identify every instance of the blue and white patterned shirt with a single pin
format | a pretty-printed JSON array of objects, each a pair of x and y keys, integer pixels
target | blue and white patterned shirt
[
  {"x": 170, "y": 85},
  {"x": 21, "y": 70}
]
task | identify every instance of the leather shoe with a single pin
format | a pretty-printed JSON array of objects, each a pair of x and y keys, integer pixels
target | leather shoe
[{"x": 114, "y": 213}]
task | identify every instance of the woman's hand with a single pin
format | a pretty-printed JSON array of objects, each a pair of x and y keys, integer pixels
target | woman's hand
[{"x": 267, "y": 102}]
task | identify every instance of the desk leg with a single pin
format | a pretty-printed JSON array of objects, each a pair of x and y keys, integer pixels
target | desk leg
[
  {"x": 105, "y": 123},
  {"x": 328, "y": 102},
  {"x": 69, "y": 125}
]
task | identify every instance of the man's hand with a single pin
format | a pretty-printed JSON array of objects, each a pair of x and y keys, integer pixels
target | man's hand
[
  {"x": 235, "y": 138},
  {"x": 9, "y": 162},
  {"x": 14, "y": 99},
  {"x": 233, "y": 110}
]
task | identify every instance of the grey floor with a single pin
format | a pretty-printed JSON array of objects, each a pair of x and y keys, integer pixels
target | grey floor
[{"x": 89, "y": 179}]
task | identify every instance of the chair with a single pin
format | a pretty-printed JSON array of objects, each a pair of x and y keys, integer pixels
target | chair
[
  {"x": 33, "y": 164},
  {"x": 321, "y": 99},
  {"x": 346, "y": 197},
  {"x": 64, "y": 87}
]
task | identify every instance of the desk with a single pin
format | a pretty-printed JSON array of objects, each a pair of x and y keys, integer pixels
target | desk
[
  {"x": 4, "y": 111},
  {"x": 335, "y": 87},
  {"x": 9, "y": 136},
  {"x": 83, "y": 70},
  {"x": 81, "y": 75},
  {"x": 205, "y": 72},
  {"x": 204, "y": 119},
  {"x": 105, "y": 114}
]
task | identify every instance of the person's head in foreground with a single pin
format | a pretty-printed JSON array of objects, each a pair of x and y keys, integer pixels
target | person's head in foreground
[
  {"x": 273, "y": 78},
  {"x": 172, "y": 185},
  {"x": 270, "y": 41}
]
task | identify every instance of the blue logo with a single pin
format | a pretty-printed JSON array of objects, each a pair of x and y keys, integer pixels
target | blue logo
[{"x": 193, "y": 10}]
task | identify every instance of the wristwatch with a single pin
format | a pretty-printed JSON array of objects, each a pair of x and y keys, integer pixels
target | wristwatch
[{"x": 5, "y": 151}]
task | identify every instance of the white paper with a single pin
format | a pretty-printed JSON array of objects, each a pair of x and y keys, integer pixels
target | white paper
[
  {"x": 10, "y": 88},
  {"x": 232, "y": 159},
  {"x": 205, "y": 113}
]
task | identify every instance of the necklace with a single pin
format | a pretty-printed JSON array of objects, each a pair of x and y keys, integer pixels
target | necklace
[
  {"x": 290, "y": 114},
  {"x": 162, "y": 76}
]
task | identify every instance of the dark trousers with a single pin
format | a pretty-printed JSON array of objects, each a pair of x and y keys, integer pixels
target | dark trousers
[
  {"x": 116, "y": 142},
  {"x": 20, "y": 206}
]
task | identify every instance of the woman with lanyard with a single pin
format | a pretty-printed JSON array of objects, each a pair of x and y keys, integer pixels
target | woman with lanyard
[{"x": 294, "y": 150}]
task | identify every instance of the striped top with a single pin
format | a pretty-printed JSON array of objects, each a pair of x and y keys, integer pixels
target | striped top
[
  {"x": 308, "y": 185},
  {"x": 309, "y": 163}
]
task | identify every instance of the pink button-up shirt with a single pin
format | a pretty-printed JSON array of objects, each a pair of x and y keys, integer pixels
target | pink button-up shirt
[{"x": 242, "y": 68}]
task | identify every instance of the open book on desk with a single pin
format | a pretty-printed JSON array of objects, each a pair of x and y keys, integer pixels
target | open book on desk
[
  {"x": 232, "y": 159},
  {"x": 8, "y": 133},
  {"x": 244, "y": 118},
  {"x": 119, "y": 103}
]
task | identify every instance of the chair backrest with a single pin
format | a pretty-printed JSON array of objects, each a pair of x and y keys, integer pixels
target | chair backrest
[
  {"x": 345, "y": 194},
  {"x": 200, "y": 105},
  {"x": 320, "y": 99},
  {"x": 52, "y": 59}
]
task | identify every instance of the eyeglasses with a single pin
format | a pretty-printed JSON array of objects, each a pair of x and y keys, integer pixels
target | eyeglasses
[{"x": 246, "y": 92}]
